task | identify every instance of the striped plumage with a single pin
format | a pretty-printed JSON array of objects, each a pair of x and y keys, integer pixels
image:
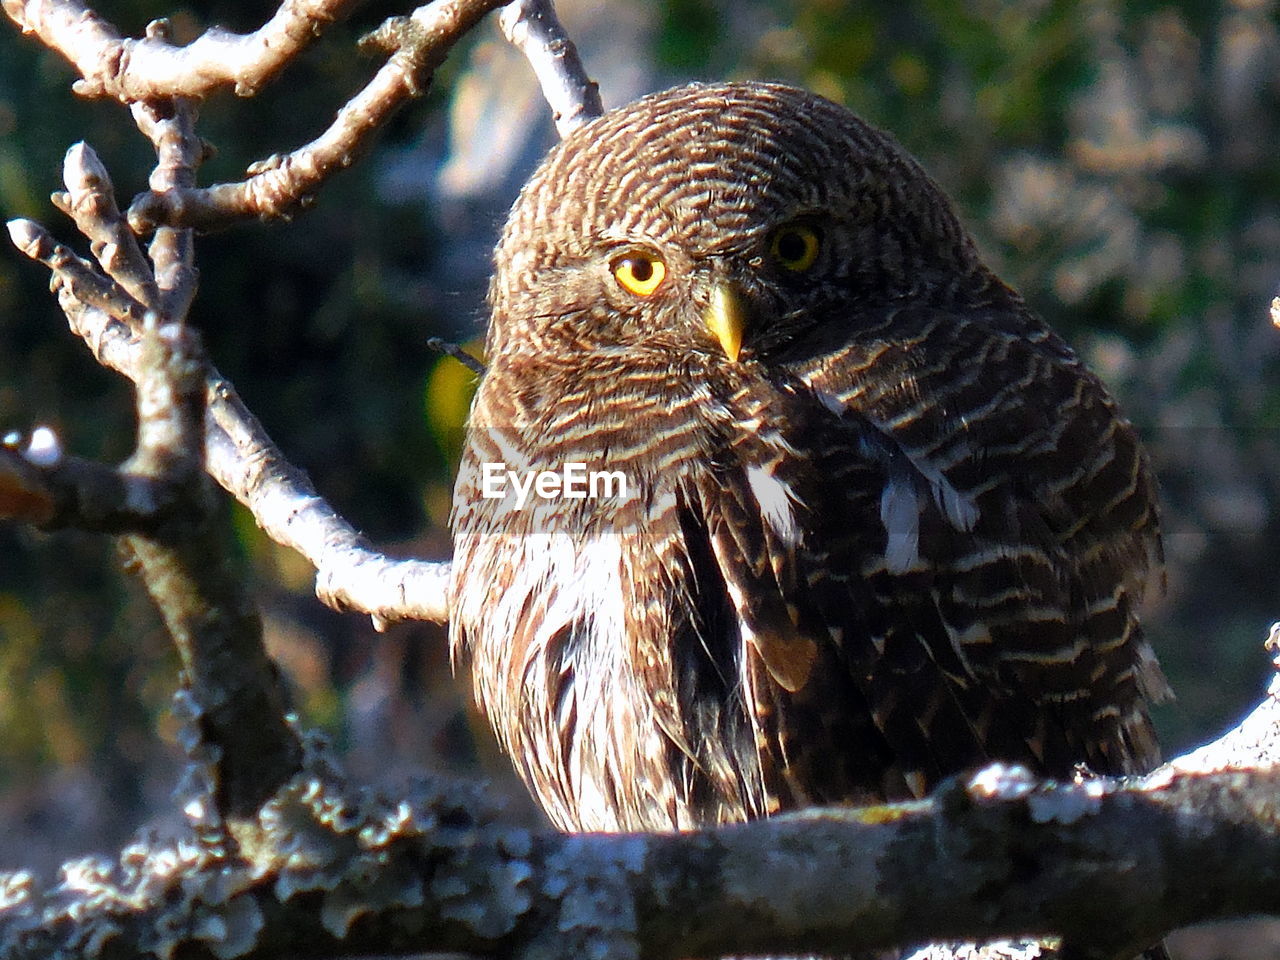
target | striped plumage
[{"x": 903, "y": 532}]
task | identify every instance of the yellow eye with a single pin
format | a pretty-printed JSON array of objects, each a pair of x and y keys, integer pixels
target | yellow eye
[
  {"x": 639, "y": 272},
  {"x": 795, "y": 247}
]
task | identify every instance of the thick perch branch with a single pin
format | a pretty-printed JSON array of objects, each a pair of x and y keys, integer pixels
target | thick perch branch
[{"x": 336, "y": 873}]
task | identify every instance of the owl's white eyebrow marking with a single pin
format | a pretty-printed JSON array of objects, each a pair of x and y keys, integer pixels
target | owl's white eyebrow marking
[{"x": 775, "y": 499}]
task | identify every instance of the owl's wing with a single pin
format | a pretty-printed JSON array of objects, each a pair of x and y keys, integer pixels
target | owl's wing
[{"x": 896, "y": 628}]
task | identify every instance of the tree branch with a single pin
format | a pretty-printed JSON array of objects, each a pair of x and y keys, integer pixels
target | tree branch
[
  {"x": 533, "y": 28},
  {"x": 281, "y": 185},
  {"x": 238, "y": 701},
  {"x": 237, "y": 698},
  {"x": 160, "y": 499},
  {"x": 105, "y": 307},
  {"x": 132, "y": 70},
  {"x": 337, "y": 872},
  {"x": 239, "y": 455}
]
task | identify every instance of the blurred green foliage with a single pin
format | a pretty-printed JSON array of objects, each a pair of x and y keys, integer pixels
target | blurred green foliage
[{"x": 1115, "y": 160}]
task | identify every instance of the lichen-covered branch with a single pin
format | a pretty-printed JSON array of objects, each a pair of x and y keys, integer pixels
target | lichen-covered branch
[
  {"x": 1107, "y": 868},
  {"x": 238, "y": 700},
  {"x": 1254, "y": 742},
  {"x": 336, "y": 872},
  {"x": 151, "y": 68}
]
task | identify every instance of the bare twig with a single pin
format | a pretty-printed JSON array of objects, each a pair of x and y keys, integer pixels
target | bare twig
[
  {"x": 82, "y": 279},
  {"x": 279, "y": 186},
  {"x": 90, "y": 201},
  {"x": 350, "y": 575},
  {"x": 441, "y": 345},
  {"x": 238, "y": 455},
  {"x": 131, "y": 70},
  {"x": 533, "y": 28},
  {"x": 72, "y": 492},
  {"x": 170, "y": 125}
]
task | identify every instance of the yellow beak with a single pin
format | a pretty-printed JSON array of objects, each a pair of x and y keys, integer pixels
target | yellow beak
[{"x": 726, "y": 318}]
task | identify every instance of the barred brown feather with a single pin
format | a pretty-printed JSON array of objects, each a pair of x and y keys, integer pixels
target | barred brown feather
[{"x": 905, "y": 532}]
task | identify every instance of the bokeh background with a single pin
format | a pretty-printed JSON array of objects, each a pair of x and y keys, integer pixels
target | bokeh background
[{"x": 1117, "y": 162}]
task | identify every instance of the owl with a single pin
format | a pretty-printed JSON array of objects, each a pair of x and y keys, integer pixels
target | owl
[{"x": 774, "y": 495}]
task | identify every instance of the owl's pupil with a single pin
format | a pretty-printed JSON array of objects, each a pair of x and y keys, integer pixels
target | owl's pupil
[
  {"x": 791, "y": 246},
  {"x": 641, "y": 269}
]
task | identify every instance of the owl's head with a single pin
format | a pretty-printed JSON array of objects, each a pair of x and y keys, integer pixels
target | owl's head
[{"x": 724, "y": 218}]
